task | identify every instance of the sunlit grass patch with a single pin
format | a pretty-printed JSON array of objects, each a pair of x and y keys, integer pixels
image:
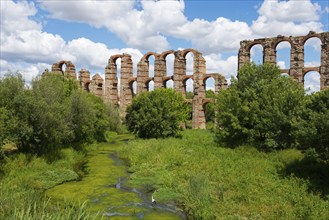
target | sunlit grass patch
[{"x": 209, "y": 181}]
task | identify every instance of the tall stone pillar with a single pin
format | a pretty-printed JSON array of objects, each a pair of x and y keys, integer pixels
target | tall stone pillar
[
  {"x": 199, "y": 71},
  {"x": 84, "y": 79},
  {"x": 111, "y": 81},
  {"x": 179, "y": 72},
  {"x": 244, "y": 54},
  {"x": 269, "y": 52},
  {"x": 159, "y": 71},
  {"x": 297, "y": 60},
  {"x": 324, "y": 68},
  {"x": 142, "y": 76},
  {"x": 125, "y": 91},
  {"x": 96, "y": 85}
]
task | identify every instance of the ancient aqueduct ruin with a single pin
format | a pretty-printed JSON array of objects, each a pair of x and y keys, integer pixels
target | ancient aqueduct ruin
[{"x": 122, "y": 95}]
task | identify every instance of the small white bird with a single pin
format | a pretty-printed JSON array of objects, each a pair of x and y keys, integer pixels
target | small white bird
[{"x": 153, "y": 201}]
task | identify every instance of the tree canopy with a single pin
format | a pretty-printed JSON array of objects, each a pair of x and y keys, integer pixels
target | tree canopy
[
  {"x": 53, "y": 113},
  {"x": 259, "y": 108},
  {"x": 157, "y": 114}
]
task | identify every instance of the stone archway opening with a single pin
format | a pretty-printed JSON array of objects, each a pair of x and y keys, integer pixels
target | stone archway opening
[
  {"x": 188, "y": 87},
  {"x": 170, "y": 58},
  {"x": 210, "y": 84},
  {"x": 209, "y": 111},
  {"x": 133, "y": 88},
  {"x": 63, "y": 68},
  {"x": 284, "y": 75},
  {"x": 151, "y": 65},
  {"x": 169, "y": 84},
  {"x": 283, "y": 50},
  {"x": 118, "y": 64},
  {"x": 257, "y": 54},
  {"x": 189, "y": 63},
  {"x": 312, "y": 82},
  {"x": 150, "y": 85},
  {"x": 312, "y": 52}
]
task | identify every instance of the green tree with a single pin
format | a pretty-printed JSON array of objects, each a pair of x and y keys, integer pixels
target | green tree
[
  {"x": 210, "y": 107},
  {"x": 54, "y": 113},
  {"x": 157, "y": 114},
  {"x": 312, "y": 128},
  {"x": 259, "y": 108},
  {"x": 12, "y": 127}
]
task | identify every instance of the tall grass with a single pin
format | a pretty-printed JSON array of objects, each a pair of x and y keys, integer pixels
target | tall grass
[
  {"x": 26, "y": 177},
  {"x": 210, "y": 182}
]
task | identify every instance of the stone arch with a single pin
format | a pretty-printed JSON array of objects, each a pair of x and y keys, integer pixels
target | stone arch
[
  {"x": 146, "y": 59},
  {"x": 168, "y": 65},
  {"x": 147, "y": 55},
  {"x": 312, "y": 80},
  {"x": 207, "y": 83},
  {"x": 149, "y": 84},
  {"x": 167, "y": 81},
  {"x": 312, "y": 34},
  {"x": 254, "y": 52},
  {"x": 132, "y": 86},
  {"x": 113, "y": 58},
  {"x": 188, "y": 85},
  {"x": 69, "y": 70},
  {"x": 189, "y": 63},
  {"x": 189, "y": 50},
  {"x": 310, "y": 62},
  {"x": 279, "y": 55}
]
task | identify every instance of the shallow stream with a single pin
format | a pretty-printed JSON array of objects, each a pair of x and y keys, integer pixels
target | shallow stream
[{"x": 105, "y": 188}]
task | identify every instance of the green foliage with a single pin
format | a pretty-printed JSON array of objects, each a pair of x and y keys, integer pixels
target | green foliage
[
  {"x": 209, "y": 182},
  {"x": 210, "y": 107},
  {"x": 313, "y": 125},
  {"x": 54, "y": 113},
  {"x": 25, "y": 179},
  {"x": 189, "y": 95},
  {"x": 157, "y": 114},
  {"x": 259, "y": 109}
]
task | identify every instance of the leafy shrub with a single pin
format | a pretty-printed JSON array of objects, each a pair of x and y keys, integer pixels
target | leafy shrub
[
  {"x": 54, "y": 113},
  {"x": 259, "y": 109},
  {"x": 156, "y": 114}
]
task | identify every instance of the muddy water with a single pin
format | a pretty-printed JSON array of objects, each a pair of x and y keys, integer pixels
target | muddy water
[{"x": 104, "y": 187}]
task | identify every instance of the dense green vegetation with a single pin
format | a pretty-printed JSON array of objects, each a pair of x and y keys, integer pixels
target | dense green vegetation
[
  {"x": 259, "y": 109},
  {"x": 312, "y": 126},
  {"x": 157, "y": 114},
  {"x": 211, "y": 182},
  {"x": 43, "y": 132},
  {"x": 54, "y": 113},
  {"x": 276, "y": 166},
  {"x": 272, "y": 112},
  {"x": 25, "y": 178}
]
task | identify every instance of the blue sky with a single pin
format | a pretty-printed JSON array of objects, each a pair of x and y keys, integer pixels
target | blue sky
[{"x": 35, "y": 34}]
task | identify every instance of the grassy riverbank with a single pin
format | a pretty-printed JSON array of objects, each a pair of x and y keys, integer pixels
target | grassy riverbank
[
  {"x": 24, "y": 178},
  {"x": 99, "y": 186},
  {"x": 213, "y": 182}
]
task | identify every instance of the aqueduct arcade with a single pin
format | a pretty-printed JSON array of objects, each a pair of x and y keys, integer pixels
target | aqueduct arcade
[
  {"x": 121, "y": 92},
  {"x": 297, "y": 69}
]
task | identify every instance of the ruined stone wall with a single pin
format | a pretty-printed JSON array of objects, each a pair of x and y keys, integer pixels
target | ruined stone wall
[
  {"x": 297, "y": 69},
  {"x": 117, "y": 88},
  {"x": 69, "y": 69}
]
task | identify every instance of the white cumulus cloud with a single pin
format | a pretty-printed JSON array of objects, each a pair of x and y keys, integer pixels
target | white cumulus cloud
[{"x": 287, "y": 18}]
